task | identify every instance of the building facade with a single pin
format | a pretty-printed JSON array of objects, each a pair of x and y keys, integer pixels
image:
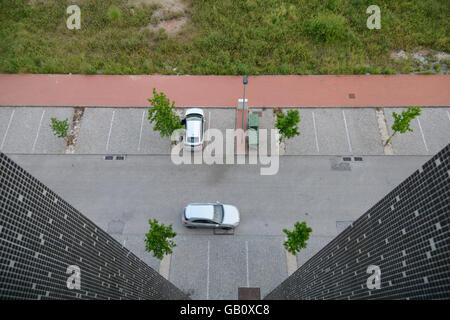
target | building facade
[
  {"x": 403, "y": 240},
  {"x": 49, "y": 250}
]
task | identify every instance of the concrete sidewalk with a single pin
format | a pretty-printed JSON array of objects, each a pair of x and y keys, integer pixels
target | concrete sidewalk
[{"x": 223, "y": 91}]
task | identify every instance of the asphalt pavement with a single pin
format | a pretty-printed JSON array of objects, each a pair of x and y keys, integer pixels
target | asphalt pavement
[{"x": 120, "y": 196}]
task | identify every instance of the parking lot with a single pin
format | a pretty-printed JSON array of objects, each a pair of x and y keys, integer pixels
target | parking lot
[
  {"x": 205, "y": 265},
  {"x": 323, "y": 131}
]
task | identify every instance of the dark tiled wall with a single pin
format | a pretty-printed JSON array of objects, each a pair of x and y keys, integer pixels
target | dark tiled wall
[
  {"x": 406, "y": 235},
  {"x": 41, "y": 235}
]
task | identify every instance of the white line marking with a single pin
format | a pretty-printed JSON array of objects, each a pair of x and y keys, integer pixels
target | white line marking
[
  {"x": 423, "y": 136},
  {"x": 346, "y": 131},
  {"x": 110, "y": 129},
  {"x": 246, "y": 250},
  {"x": 207, "y": 276},
  {"x": 37, "y": 133},
  {"x": 315, "y": 132},
  {"x": 209, "y": 125},
  {"x": 7, "y": 128},
  {"x": 140, "y": 134}
]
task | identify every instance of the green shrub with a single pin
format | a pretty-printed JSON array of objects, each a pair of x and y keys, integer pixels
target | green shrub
[
  {"x": 114, "y": 13},
  {"x": 60, "y": 127},
  {"x": 327, "y": 27},
  {"x": 158, "y": 239}
]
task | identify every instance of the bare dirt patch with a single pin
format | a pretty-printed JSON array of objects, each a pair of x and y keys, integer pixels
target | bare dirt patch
[
  {"x": 171, "y": 16},
  {"x": 425, "y": 60}
]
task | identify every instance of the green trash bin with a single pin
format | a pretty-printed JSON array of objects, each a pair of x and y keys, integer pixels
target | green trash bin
[
  {"x": 252, "y": 138},
  {"x": 253, "y": 121}
]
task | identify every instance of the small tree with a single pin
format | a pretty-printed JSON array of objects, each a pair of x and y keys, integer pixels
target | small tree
[
  {"x": 60, "y": 127},
  {"x": 162, "y": 114},
  {"x": 296, "y": 239},
  {"x": 402, "y": 121},
  {"x": 158, "y": 239},
  {"x": 287, "y": 124}
]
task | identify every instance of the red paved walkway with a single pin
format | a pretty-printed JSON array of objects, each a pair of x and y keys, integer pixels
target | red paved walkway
[{"x": 81, "y": 90}]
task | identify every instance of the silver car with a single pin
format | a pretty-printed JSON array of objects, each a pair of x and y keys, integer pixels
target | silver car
[
  {"x": 210, "y": 215},
  {"x": 195, "y": 126}
]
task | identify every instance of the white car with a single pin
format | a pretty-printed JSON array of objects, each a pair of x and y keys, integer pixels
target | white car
[
  {"x": 195, "y": 126},
  {"x": 210, "y": 215}
]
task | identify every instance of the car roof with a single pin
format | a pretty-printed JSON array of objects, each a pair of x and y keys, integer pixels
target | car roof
[
  {"x": 200, "y": 211},
  {"x": 194, "y": 111},
  {"x": 193, "y": 128}
]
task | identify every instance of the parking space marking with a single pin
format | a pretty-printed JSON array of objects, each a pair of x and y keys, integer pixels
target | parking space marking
[
  {"x": 110, "y": 130},
  {"x": 423, "y": 136},
  {"x": 207, "y": 276},
  {"x": 208, "y": 138},
  {"x": 37, "y": 133},
  {"x": 7, "y": 129},
  {"x": 246, "y": 253},
  {"x": 315, "y": 132},
  {"x": 140, "y": 134},
  {"x": 346, "y": 131}
]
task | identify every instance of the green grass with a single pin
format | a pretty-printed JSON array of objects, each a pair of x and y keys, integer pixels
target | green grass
[{"x": 221, "y": 37}]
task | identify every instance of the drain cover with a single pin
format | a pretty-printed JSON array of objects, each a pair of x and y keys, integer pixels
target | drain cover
[
  {"x": 358, "y": 158},
  {"x": 249, "y": 293},
  {"x": 109, "y": 158},
  {"x": 347, "y": 158},
  {"x": 351, "y": 96}
]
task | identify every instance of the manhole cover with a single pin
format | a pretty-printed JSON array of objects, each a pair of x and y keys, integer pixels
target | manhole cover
[{"x": 249, "y": 293}]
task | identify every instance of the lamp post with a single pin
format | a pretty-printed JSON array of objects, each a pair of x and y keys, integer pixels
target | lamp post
[{"x": 245, "y": 81}]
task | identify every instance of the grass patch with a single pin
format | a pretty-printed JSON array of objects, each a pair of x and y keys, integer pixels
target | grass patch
[{"x": 221, "y": 37}]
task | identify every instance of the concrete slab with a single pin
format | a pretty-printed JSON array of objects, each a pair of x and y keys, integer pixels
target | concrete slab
[
  {"x": 267, "y": 263},
  {"x": 189, "y": 266},
  {"x": 435, "y": 124},
  {"x": 363, "y": 131},
  {"x": 125, "y": 131},
  {"x": 305, "y": 143},
  {"x": 6, "y": 115},
  {"x": 151, "y": 141},
  {"x": 47, "y": 142},
  {"x": 409, "y": 143},
  {"x": 94, "y": 131},
  {"x": 228, "y": 267},
  {"x": 22, "y": 132},
  {"x": 331, "y": 133}
]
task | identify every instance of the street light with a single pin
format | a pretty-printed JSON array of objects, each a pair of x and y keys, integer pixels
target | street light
[{"x": 245, "y": 81}]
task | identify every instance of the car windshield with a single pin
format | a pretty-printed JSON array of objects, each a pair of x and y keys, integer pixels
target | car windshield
[{"x": 218, "y": 213}]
